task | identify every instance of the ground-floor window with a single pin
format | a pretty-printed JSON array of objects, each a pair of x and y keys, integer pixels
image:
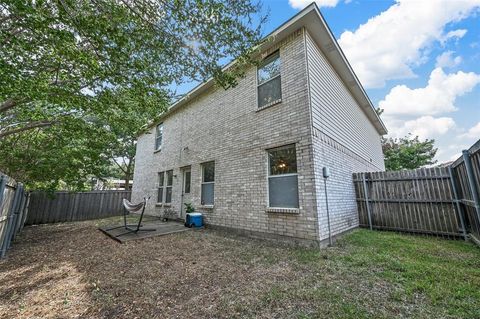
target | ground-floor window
[
  {"x": 165, "y": 183},
  {"x": 208, "y": 183},
  {"x": 282, "y": 177}
]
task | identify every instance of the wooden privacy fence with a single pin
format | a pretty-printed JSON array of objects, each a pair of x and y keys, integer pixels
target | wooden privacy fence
[
  {"x": 419, "y": 201},
  {"x": 13, "y": 211},
  {"x": 466, "y": 176},
  {"x": 442, "y": 201},
  {"x": 67, "y": 206}
]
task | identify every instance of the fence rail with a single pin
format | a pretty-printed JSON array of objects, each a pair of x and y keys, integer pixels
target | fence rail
[
  {"x": 66, "y": 206},
  {"x": 440, "y": 201},
  {"x": 13, "y": 211},
  {"x": 419, "y": 201},
  {"x": 466, "y": 176}
]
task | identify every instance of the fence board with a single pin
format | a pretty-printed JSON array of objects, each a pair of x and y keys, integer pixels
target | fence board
[
  {"x": 443, "y": 201},
  {"x": 66, "y": 206},
  {"x": 467, "y": 183},
  {"x": 419, "y": 201},
  {"x": 13, "y": 201}
]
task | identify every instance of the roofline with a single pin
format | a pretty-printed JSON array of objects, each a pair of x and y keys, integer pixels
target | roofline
[
  {"x": 344, "y": 58},
  {"x": 201, "y": 87}
]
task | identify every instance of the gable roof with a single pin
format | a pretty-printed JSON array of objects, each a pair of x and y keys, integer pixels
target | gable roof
[{"x": 312, "y": 19}]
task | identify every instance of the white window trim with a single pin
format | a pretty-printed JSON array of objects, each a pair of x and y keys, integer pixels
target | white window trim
[
  {"x": 158, "y": 148},
  {"x": 203, "y": 183},
  {"x": 164, "y": 188},
  {"x": 288, "y": 210},
  {"x": 260, "y": 84}
]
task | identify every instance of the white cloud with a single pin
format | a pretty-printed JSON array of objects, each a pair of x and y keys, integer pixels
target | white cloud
[
  {"x": 473, "y": 132},
  {"x": 388, "y": 45},
  {"x": 446, "y": 60},
  {"x": 423, "y": 127},
  {"x": 300, "y": 4},
  {"x": 437, "y": 97},
  {"x": 454, "y": 34}
]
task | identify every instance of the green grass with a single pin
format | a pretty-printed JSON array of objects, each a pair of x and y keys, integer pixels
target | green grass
[
  {"x": 438, "y": 278},
  {"x": 72, "y": 269}
]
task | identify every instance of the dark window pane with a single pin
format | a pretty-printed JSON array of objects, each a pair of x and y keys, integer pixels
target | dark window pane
[
  {"x": 283, "y": 191},
  {"x": 159, "y": 136},
  {"x": 209, "y": 172},
  {"x": 269, "y": 69},
  {"x": 161, "y": 178},
  {"x": 283, "y": 160},
  {"x": 169, "y": 178},
  {"x": 160, "y": 195},
  {"x": 168, "y": 195},
  {"x": 207, "y": 193},
  {"x": 188, "y": 177},
  {"x": 269, "y": 92}
]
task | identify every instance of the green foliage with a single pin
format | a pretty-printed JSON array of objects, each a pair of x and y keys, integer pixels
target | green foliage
[
  {"x": 408, "y": 153},
  {"x": 189, "y": 208},
  {"x": 79, "y": 78}
]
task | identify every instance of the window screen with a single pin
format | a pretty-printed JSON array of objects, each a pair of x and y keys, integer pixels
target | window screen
[
  {"x": 283, "y": 178},
  {"x": 208, "y": 183},
  {"x": 269, "y": 81},
  {"x": 159, "y": 136}
]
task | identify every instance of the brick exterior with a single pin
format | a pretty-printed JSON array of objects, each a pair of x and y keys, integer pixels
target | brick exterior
[{"x": 226, "y": 127}]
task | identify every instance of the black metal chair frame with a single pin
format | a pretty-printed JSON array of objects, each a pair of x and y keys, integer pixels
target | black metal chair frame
[{"x": 133, "y": 228}]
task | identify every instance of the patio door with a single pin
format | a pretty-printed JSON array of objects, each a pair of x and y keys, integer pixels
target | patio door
[{"x": 186, "y": 189}]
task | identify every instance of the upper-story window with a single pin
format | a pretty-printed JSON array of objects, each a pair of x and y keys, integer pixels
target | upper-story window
[
  {"x": 269, "y": 84},
  {"x": 158, "y": 136},
  {"x": 282, "y": 177}
]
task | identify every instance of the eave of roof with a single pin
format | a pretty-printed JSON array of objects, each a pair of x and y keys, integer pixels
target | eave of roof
[{"x": 312, "y": 19}]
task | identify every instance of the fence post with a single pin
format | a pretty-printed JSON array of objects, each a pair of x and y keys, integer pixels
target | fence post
[
  {"x": 471, "y": 182},
  {"x": 3, "y": 184},
  {"x": 9, "y": 224},
  {"x": 19, "y": 211},
  {"x": 367, "y": 201},
  {"x": 457, "y": 203}
]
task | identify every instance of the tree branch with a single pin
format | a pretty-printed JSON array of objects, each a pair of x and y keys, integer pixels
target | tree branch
[
  {"x": 119, "y": 166},
  {"x": 7, "y": 105},
  {"x": 29, "y": 126}
]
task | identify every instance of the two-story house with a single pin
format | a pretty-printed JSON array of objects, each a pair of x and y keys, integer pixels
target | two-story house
[{"x": 251, "y": 157}]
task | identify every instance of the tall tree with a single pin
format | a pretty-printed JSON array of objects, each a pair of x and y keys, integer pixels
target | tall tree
[
  {"x": 408, "y": 153},
  {"x": 66, "y": 61}
]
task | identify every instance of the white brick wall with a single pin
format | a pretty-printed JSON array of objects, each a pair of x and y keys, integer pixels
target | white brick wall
[{"x": 226, "y": 126}]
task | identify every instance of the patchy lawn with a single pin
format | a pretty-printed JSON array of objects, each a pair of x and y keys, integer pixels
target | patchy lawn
[{"x": 73, "y": 270}]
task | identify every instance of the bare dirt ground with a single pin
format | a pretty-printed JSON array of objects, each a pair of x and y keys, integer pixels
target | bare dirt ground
[{"x": 73, "y": 270}]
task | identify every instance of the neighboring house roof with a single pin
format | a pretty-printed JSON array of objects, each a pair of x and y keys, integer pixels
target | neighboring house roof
[{"x": 313, "y": 21}]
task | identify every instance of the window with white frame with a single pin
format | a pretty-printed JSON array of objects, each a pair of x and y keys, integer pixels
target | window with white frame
[
  {"x": 165, "y": 183},
  {"x": 282, "y": 177},
  {"x": 208, "y": 183},
  {"x": 269, "y": 84},
  {"x": 158, "y": 136},
  {"x": 161, "y": 183}
]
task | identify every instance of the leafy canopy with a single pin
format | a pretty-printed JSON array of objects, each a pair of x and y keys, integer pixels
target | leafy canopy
[
  {"x": 65, "y": 66},
  {"x": 408, "y": 153}
]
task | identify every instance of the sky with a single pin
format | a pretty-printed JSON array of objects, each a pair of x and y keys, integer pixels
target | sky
[{"x": 418, "y": 60}]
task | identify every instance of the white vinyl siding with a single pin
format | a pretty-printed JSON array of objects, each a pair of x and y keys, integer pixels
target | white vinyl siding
[{"x": 336, "y": 113}]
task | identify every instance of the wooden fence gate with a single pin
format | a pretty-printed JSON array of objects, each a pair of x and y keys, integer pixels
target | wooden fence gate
[{"x": 67, "y": 206}]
